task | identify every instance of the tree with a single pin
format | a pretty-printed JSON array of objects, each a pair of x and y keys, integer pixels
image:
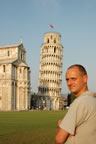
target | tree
[{"x": 71, "y": 98}]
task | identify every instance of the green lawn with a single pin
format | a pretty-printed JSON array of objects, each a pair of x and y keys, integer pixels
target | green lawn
[{"x": 30, "y": 127}]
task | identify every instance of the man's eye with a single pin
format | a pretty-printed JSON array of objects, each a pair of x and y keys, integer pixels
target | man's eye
[{"x": 73, "y": 79}]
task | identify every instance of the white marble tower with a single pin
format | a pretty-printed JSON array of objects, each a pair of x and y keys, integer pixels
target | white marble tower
[{"x": 50, "y": 75}]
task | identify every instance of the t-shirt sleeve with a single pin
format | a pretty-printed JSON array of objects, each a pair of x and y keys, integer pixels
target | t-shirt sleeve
[
  {"x": 69, "y": 121},
  {"x": 76, "y": 115}
]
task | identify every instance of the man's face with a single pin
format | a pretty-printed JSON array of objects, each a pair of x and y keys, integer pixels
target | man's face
[{"x": 76, "y": 82}]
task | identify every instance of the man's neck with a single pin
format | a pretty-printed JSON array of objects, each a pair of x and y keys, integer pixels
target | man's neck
[{"x": 81, "y": 92}]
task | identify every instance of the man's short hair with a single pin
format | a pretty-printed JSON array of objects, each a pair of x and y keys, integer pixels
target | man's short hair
[{"x": 80, "y": 68}]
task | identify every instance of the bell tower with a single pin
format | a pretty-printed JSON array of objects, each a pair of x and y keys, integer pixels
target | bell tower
[{"x": 50, "y": 75}]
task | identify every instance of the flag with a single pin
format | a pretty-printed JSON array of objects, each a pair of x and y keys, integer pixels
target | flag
[{"x": 51, "y": 26}]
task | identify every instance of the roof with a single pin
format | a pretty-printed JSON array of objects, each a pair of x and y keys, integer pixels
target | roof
[
  {"x": 15, "y": 62},
  {"x": 14, "y": 45},
  {"x": 23, "y": 64},
  {"x": 56, "y": 33},
  {"x": 7, "y": 61}
]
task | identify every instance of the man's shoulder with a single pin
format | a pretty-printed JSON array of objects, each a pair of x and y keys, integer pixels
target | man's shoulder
[{"x": 86, "y": 96}]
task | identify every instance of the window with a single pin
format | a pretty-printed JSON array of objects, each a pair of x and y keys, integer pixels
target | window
[
  {"x": 8, "y": 53},
  {"x": 46, "y": 49},
  {"x": 20, "y": 70},
  {"x": 54, "y": 49},
  {"x": 54, "y": 40},
  {"x": 21, "y": 56},
  {"x": 3, "y": 68},
  {"x": 47, "y": 40},
  {"x": 51, "y": 37}
]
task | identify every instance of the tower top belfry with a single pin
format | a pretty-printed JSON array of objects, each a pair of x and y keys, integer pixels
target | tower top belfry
[{"x": 52, "y": 38}]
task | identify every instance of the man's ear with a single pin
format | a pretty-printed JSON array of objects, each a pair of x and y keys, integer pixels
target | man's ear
[{"x": 85, "y": 78}]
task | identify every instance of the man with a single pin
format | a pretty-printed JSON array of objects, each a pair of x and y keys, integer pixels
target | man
[{"x": 79, "y": 124}]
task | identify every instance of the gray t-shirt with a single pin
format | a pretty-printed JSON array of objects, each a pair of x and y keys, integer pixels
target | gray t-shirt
[{"x": 80, "y": 120}]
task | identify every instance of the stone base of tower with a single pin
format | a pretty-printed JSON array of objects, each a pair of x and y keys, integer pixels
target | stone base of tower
[
  {"x": 46, "y": 102},
  {"x": 57, "y": 103}
]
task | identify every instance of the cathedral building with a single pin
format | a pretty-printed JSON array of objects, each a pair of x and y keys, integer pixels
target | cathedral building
[
  {"x": 14, "y": 78},
  {"x": 50, "y": 75}
]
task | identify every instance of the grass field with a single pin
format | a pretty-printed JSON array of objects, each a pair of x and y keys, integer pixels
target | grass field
[{"x": 30, "y": 127}]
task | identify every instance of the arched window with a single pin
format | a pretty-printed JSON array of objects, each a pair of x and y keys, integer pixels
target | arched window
[
  {"x": 3, "y": 68},
  {"x": 21, "y": 56},
  {"x": 51, "y": 37},
  {"x": 47, "y": 40},
  {"x": 20, "y": 70},
  {"x": 46, "y": 49},
  {"x": 54, "y": 40},
  {"x": 8, "y": 53},
  {"x": 54, "y": 49}
]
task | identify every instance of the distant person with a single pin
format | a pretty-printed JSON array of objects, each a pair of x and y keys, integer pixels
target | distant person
[{"x": 79, "y": 124}]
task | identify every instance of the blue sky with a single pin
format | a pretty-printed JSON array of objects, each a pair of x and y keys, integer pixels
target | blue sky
[{"x": 75, "y": 20}]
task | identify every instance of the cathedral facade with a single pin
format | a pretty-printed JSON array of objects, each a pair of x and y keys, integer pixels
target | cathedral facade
[
  {"x": 14, "y": 78},
  {"x": 50, "y": 75}
]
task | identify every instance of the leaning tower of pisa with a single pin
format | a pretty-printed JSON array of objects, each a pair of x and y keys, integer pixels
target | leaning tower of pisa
[{"x": 50, "y": 75}]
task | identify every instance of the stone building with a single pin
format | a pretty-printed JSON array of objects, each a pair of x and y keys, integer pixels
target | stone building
[
  {"x": 14, "y": 78},
  {"x": 50, "y": 75}
]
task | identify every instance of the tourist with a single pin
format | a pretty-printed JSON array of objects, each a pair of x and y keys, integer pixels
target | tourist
[{"x": 79, "y": 124}]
